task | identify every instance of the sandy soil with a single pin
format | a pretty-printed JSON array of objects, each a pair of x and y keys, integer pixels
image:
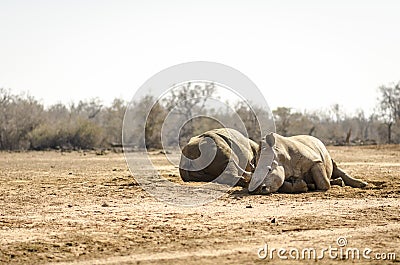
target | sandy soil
[{"x": 83, "y": 208}]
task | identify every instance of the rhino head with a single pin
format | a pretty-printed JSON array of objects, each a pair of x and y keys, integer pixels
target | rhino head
[{"x": 268, "y": 176}]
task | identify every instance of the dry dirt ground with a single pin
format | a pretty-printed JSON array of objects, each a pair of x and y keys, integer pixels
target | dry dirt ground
[{"x": 83, "y": 208}]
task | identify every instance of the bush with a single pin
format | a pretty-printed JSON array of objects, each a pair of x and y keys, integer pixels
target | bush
[
  {"x": 44, "y": 137},
  {"x": 83, "y": 134}
]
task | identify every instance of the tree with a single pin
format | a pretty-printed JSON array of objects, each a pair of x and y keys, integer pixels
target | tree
[
  {"x": 153, "y": 127},
  {"x": 112, "y": 119},
  {"x": 19, "y": 115},
  {"x": 249, "y": 119},
  {"x": 87, "y": 109},
  {"x": 389, "y": 106},
  {"x": 282, "y": 120},
  {"x": 337, "y": 112},
  {"x": 187, "y": 100}
]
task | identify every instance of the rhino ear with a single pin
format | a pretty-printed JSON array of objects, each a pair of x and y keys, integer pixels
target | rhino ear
[{"x": 270, "y": 139}]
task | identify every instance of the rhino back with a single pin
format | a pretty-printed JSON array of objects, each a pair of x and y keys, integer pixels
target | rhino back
[
  {"x": 244, "y": 148},
  {"x": 236, "y": 144},
  {"x": 299, "y": 153},
  {"x": 229, "y": 143}
]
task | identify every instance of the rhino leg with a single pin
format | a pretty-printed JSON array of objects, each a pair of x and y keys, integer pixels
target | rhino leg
[
  {"x": 230, "y": 177},
  {"x": 196, "y": 176},
  {"x": 231, "y": 180},
  {"x": 311, "y": 186},
  {"x": 294, "y": 186},
  {"x": 349, "y": 181},
  {"x": 184, "y": 175},
  {"x": 319, "y": 177},
  {"x": 337, "y": 181}
]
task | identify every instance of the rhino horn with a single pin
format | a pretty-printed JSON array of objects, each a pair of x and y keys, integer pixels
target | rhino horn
[{"x": 262, "y": 169}]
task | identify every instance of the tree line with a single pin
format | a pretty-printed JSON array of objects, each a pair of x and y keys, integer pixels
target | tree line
[{"x": 26, "y": 124}]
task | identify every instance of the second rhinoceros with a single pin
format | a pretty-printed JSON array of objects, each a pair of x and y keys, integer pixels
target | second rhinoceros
[
  {"x": 223, "y": 155},
  {"x": 300, "y": 163}
]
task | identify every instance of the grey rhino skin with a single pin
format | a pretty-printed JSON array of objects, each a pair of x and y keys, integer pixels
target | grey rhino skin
[
  {"x": 301, "y": 163},
  {"x": 233, "y": 161}
]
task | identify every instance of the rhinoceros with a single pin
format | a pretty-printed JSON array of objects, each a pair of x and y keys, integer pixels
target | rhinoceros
[
  {"x": 300, "y": 163},
  {"x": 223, "y": 155}
]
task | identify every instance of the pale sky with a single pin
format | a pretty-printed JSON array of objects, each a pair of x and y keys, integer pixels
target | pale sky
[{"x": 301, "y": 54}]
